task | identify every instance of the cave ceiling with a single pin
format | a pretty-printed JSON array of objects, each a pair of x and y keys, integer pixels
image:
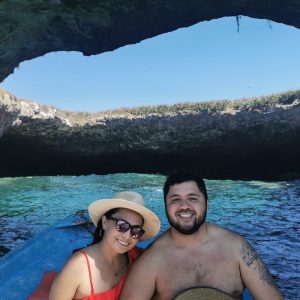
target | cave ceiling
[{"x": 30, "y": 29}]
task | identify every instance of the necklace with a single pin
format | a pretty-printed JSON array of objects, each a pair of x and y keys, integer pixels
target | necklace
[{"x": 123, "y": 268}]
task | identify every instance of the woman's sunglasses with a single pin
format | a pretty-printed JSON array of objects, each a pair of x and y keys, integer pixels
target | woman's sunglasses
[{"x": 123, "y": 226}]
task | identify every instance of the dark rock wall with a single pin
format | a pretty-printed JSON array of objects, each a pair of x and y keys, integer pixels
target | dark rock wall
[
  {"x": 247, "y": 143},
  {"x": 29, "y": 29},
  {"x": 255, "y": 141}
]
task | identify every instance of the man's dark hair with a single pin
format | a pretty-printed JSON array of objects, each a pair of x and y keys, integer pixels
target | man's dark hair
[{"x": 182, "y": 176}]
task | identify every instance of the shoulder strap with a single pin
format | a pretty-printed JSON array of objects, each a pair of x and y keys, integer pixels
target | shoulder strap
[{"x": 90, "y": 274}]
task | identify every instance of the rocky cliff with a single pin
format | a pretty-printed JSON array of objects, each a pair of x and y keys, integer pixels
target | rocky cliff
[
  {"x": 29, "y": 29},
  {"x": 244, "y": 139}
]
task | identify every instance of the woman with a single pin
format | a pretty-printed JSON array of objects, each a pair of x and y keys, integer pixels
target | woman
[{"x": 99, "y": 271}]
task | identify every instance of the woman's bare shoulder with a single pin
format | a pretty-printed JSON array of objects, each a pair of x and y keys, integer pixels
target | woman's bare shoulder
[
  {"x": 69, "y": 278},
  {"x": 75, "y": 264}
]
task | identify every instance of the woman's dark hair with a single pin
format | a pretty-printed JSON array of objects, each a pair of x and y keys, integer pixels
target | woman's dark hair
[{"x": 99, "y": 231}]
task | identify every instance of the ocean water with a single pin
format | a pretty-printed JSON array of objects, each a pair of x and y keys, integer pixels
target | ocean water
[{"x": 265, "y": 213}]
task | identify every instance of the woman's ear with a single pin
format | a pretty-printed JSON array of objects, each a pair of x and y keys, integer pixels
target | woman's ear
[{"x": 104, "y": 222}]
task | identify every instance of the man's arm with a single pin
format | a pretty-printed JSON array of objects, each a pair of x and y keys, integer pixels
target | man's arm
[
  {"x": 255, "y": 274},
  {"x": 140, "y": 283}
]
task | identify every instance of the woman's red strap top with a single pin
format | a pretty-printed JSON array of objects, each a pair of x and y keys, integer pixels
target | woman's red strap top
[
  {"x": 115, "y": 292},
  {"x": 90, "y": 274}
]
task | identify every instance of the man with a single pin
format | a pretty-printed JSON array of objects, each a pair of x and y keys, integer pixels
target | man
[{"x": 195, "y": 253}]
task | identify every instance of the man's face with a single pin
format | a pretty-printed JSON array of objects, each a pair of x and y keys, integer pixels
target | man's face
[{"x": 186, "y": 207}]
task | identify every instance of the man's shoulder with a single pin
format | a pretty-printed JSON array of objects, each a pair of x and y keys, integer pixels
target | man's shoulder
[
  {"x": 158, "y": 246},
  {"x": 226, "y": 235}
]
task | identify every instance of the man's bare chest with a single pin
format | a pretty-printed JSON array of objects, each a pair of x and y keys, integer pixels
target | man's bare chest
[{"x": 184, "y": 270}]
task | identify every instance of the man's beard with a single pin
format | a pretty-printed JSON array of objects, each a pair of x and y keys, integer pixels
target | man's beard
[{"x": 187, "y": 229}]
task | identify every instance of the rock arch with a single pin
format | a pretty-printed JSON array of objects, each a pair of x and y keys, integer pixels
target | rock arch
[
  {"x": 246, "y": 143},
  {"x": 30, "y": 29}
]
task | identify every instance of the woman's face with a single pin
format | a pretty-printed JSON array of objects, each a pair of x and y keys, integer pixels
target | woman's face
[{"x": 121, "y": 242}]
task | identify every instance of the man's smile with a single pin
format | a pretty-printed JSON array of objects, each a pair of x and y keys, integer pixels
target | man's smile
[{"x": 185, "y": 214}]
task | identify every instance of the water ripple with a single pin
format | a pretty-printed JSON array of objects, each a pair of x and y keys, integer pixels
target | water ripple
[{"x": 265, "y": 213}]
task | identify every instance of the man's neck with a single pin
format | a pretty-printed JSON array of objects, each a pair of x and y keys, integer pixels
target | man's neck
[{"x": 189, "y": 239}]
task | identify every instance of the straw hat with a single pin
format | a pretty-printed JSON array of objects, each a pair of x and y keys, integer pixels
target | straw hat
[
  {"x": 203, "y": 293},
  {"x": 129, "y": 200}
]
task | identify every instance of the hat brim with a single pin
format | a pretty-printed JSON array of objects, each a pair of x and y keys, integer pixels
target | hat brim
[
  {"x": 206, "y": 293},
  {"x": 151, "y": 222}
]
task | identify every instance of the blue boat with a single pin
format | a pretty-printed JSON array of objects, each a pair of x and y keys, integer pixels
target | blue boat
[{"x": 22, "y": 269}]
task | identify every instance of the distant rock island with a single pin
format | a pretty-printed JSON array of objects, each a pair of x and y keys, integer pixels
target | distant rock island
[{"x": 243, "y": 139}]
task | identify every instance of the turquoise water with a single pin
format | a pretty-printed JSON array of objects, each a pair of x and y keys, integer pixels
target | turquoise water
[{"x": 265, "y": 213}]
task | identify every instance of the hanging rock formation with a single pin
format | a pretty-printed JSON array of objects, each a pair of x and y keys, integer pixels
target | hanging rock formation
[
  {"x": 254, "y": 139},
  {"x": 31, "y": 29}
]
